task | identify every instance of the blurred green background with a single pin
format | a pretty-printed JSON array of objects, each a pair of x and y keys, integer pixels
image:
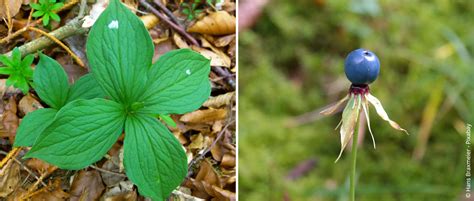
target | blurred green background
[{"x": 291, "y": 63}]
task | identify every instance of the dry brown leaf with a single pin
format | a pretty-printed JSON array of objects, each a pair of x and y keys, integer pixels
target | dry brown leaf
[
  {"x": 87, "y": 185},
  {"x": 222, "y": 194},
  {"x": 10, "y": 120},
  {"x": 28, "y": 104},
  {"x": 40, "y": 166},
  {"x": 56, "y": 194},
  {"x": 13, "y": 8},
  {"x": 218, "y": 151},
  {"x": 216, "y": 59},
  {"x": 9, "y": 178},
  {"x": 111, "y": 165},
  {"x": 228, "y": 160},
  {"x": 224, "y": 40},
  {"x": 179, "y": 41},
  {"x": 150, "y": 20},
  {"x": 217, "y": 126},
  {"x": 182, "y": 139},
  {"x": 6, "y": 90},
  {"x": 197, "y": 142},
  {"x": 218, "y": 51},
  {"x": 18, "y": 193},
  {"x": 204, "y": 116},
  {"x": 219, "y": 101},
  {"x": 217, "y": 23},
  {"x": 126, "y": 196},
  {"x": 208, "y": 174}
]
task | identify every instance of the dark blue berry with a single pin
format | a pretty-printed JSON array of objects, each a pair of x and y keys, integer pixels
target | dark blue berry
[{"x": 362, "y": 67}]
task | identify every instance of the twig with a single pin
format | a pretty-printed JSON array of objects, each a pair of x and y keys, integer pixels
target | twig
[
  {"x": 229, "y": 78},
  {"x": 30, "y": 15},
  {"x": 74, "y": 56},
  {"x": 82, "y": 8},
  {"x": 169, "y": 23},
  {"x": 10, "y": 154},
  {"x": 72, "y": 28},
  {"x": 167, "y": 11},
  {"x": 20, "y": 31},
  {"x": 107, "y": 171},
  {"x": 42, "y": 177},
  {"x": 28, "y": 170}
]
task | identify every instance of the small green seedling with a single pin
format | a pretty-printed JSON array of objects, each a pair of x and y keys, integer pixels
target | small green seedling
[
  {"x": 19, "y": 70},
  {"x": 120, "y": 52},
  {"x": 47, "y": 9},
  {"x": 51, "y": 85},
  {"x": 190, "y": 10}
]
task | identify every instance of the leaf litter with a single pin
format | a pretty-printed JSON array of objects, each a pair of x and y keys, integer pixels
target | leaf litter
[{"x": 208, "y": 134}]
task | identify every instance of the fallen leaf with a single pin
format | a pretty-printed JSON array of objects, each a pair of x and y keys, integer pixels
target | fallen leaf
[
  {"x": 10, "y": 119},
  {"x": 178, "y": 41},
  {"x": 7, "y": 90},
  {"x": 28, "y": 104},
  {"x": 204, "y": 116},
  {"x": 224, "y": 40},
  {"x": 216, "y": 60},
  {"x": 150, "y": 20},
  {"x": 87, "y": 185},
  {"x": 197, "y": 142},
  {"x": 217, "y": 23},
  {"x": 219, "y": 101},
  {"x": 13, "y": 8},
  {"x": 40, "y": 166},
  {"x": 126, "y": 196},
  {"x": 111, "y": 165},
  {"x": 222, "y": 194},
  {"x": 228, "y": 160},
  {"x": 9, "y": 178},
  {"x": 52, "y": 192},
  {"x": 225, "y": 59}
]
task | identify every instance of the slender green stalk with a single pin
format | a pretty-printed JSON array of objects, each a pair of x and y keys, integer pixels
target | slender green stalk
[{"x": 354, "y": 161}]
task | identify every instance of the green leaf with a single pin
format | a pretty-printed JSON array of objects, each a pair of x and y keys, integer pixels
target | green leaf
[
  {"x": 6, "y": 70},
  {"x": 51, "y": 82},
  {"x": 16, "y": 56},
  {"x": 5, "y": 60},
  {"x": 85, "y": 88},
  {"x": 22, "y": 84},
  {"x": 35, "y": 6},
  {"x": 38, "y": 13},
  {"x": 55, "y": 17},
  {"x": 46, "y": 19},
  {"x": 57, "y": 6},
  {"x": 120, "y": 52},
  {"x": 177, "y": 83},
  {"x": 82, "y": 132},
  {"x": 32, "y": 125},
  {"x": 154, "y": 160},
  {"x": 168, "y": 120}
]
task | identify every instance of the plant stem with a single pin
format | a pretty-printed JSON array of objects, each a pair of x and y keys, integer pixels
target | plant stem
[{"x": 355, "y": 138}]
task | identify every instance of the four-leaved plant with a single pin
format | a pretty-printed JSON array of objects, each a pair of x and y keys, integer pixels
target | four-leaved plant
[
  {"x": 18, "y": 70},
  {"x": 47, "y": 9},
  {"x": 51, "y": 85},
  {"x": 120, "y": 52}
]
